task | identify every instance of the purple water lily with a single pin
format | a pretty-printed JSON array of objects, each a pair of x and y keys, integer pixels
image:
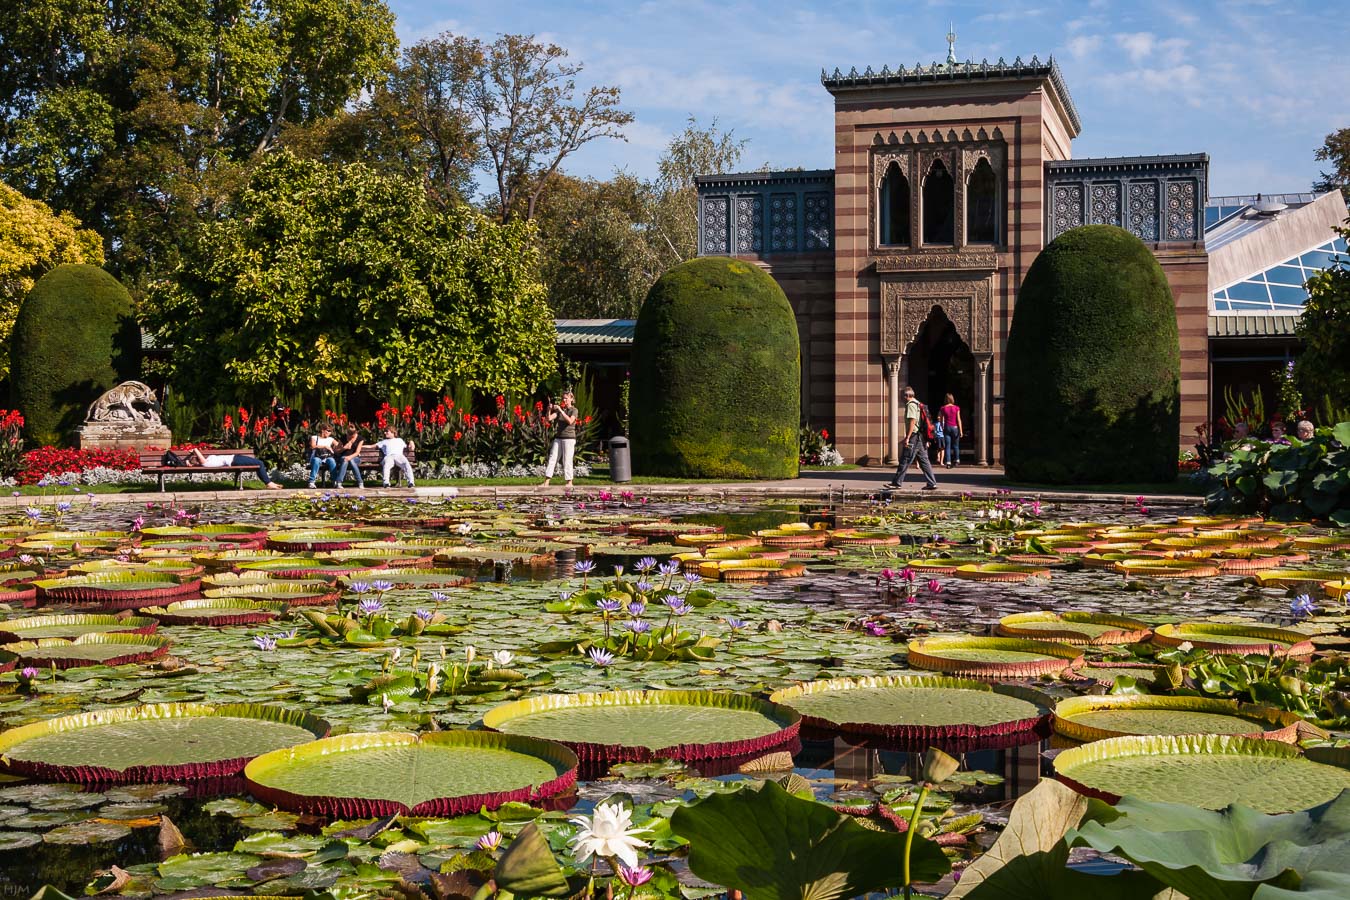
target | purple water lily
[
  {"x": 599, "y": 657},
  {"x": 264, "y": 642},
  {"x": 635, "y": 877},
  {"x": 681, "y": 608},
  {"x": 584, "y": 567},
  {"x": 1302, "y": 605},
  {"x": 644, "y": 587},
  {"x": 736, "y": 624},
  {"x": 488, "y": 842},
  {"x": 638, "y": 626},
  {"x": 33, "y": 513},
  {"x": 438, "y": 597},
  {"x": 609, "y": 606},
  {"x": 370, "y": 607},
  {"x": 645, "y": 564},
  {"x": 424, "y": 614},
  {"x": 382, "y": 586},
  {"x": 692, "y": 578},
  {"x": 359, "y": 587},
  {"x": 669, "y": 568},
  {"x": 64, "y": 506},
  {"x": 618, "y": 571},
  {"x": 28, "y": 673},
  {"x": 636, "y": 608}
]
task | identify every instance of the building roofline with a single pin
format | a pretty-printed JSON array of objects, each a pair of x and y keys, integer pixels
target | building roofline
[
  {"x": 947, "y": 73},
  {"x": 743, "y": 179},
  {"x": 1163, "y": 161}
]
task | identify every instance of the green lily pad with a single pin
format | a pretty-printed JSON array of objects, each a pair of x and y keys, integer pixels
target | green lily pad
[
  {"x": 90, "y": 832},
  {"x": 1095, "y": 718}
]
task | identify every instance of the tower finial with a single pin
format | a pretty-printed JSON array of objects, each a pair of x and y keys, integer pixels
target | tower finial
[{"x": 951, "y": 44}]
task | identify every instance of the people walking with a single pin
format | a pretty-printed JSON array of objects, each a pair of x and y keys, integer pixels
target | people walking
[
  {"x": 950, "y": 417},
  {"x": 564, "y": 418},
  {"x": 917, "y": 432}
]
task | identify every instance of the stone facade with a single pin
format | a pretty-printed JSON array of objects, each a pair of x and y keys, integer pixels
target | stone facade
[{"x": 948, "y": 181}]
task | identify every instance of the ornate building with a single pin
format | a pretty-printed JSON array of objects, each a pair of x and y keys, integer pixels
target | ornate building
[{"x": 904, "y": 262}]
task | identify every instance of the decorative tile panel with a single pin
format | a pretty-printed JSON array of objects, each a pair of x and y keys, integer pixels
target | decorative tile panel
[
  {"x": 819, "y": 221},
  {"x": 749, "y": 224},
  {"x": 1067, "y": 209},
  {"x": 716, "y": 228},
  {"x": 783, "y": 223},
  {"x": 1181, "y": 217},
  {"x": 1143, "y": 210},
  {"x": 1105, "y": 206}
]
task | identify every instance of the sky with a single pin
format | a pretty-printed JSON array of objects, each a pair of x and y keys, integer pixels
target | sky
[{"x": 1256, "y": 84}]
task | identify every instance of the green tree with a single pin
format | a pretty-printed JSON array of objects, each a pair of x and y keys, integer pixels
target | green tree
[
  {"x": 1093, "y": 365},
  {"x": 319, "y": 276},
  {"x": 74, "y": 338},
  {"x": 33, "y": 240},
  {"x": 1335, "y": 150},
  {"x": 1323, "y": 366},
  {"x": 673, "y": 206},
  {"x": 136, "y": 117}
]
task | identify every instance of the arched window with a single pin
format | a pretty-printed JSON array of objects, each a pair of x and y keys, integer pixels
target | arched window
[
  {"x": 982, "y": 205},
  {"x": 894, "y": 205},
  {"x": 939, "y": 205}
]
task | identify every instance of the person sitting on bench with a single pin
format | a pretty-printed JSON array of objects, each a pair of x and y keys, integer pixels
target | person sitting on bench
[
  {"x": 392, "y": 454},
  {"x": 221, "y": 460}
]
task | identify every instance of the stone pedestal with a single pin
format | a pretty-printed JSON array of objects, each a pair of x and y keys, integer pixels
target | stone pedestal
[{"x": 123, "y": 435}]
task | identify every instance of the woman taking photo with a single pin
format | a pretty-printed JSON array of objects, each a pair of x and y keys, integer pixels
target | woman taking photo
[{"x": 563, "y": 417}]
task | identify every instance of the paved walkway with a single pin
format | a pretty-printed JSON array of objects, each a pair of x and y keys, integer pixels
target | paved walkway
[{"x": 821, "y": 485}]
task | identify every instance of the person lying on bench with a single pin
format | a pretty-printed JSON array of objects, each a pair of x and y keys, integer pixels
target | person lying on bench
[{"x": 221, "y": 460}]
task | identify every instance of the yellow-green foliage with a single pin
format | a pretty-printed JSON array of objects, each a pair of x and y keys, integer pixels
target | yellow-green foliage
[
  {"x": 1093, "y": 365},
  {"x": 74, "y": 338},
  {"x": 716, "y": 375},
  {"x": 33, "y": 240}
]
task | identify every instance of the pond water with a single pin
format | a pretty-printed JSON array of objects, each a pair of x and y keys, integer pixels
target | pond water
[{"x": 850, "y": 614}]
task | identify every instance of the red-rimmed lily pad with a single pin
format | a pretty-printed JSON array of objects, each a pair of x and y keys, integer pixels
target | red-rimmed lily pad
[
  {"x": 304, "y": 567},
  {"x": 212, "y": 612},
  {"x": 754, "y": 569},
  {"x": 441, "y": 773},
  {"x": 38, "y": 627},
  {"x": 1225, "y": 637},
  {"x": 1006, "y": 572},
  {"x": 117, "y": 590},
  {"x": 852, "y": 537},
  {"x": 1209, "y": 771},
  {"x": 89, "y": 650},
  {"x": 155, "y": 743},
  {"x": 320, "y": 539},
  {"x": 1295, "y": 577},
  {"x": 917, "y": 709},
  {"x": 427, "y": 578},
  {"x": 315, "y": 592},
  {"x": 1074, "y": 627},
  {"x": 640, "y": 726},
  {"x": 1095, "y": 718},
  {"x": 983, "y": 657},
  {"x": 1185, "y": 567},
  {"x": 939, "y": 565}
]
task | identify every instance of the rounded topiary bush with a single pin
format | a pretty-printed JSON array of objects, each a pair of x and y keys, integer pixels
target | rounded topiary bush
[
  {"x": 74, "y": 338},
  {"x": 716, "y": 375},
  {"x": 1093, "y": 363}
]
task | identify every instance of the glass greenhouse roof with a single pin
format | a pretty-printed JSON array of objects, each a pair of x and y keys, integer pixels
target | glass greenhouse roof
[{"x": 1279, "y": 288}]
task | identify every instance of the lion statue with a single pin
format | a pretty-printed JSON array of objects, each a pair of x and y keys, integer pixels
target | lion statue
[{"x": 130, "y": 401}]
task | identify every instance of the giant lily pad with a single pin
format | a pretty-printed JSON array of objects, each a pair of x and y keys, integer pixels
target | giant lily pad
[
  {"x": 993, "y": 657},
  {"x": 1209, "y": 771},
  {"x": 212, "y": 611},
  {"x": 1167, "y": 568},
  {"x": 150, "y": 744},
  {"x": 429, "y": 578},
  {"x": 123, "y": 590},
  {"x": 38, "y": 627},
  {"x": 302, "y": 567},
  {"x": 319, "y": 539},
  {"x": 639, "y": 726},
  {"x": 89, "y": 650},
  {"x": 1096, "y": 718},
  {"x": 917, "y": 709},
  {"x": 1074, "y": 627},
  {"x": 292, "y": 592},
  {"x": 1223, "y": 637},
  {"x": 1007, "y": 572},
  {"x": 442, "y": 773}
]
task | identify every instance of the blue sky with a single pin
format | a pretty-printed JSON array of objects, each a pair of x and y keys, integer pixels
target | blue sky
[{"x": 1257, "y": 84}]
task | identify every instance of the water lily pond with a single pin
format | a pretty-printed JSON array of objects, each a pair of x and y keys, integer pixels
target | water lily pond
[{"x": 362, "y": 697}]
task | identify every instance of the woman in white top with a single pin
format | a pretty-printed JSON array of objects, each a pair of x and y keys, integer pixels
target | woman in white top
[
  {"x": 221, "y": 460},
  {"x": 321, "y": 447}
]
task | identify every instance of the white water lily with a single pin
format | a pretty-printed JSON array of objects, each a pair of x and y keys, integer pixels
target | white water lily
[
  {"x": 464, "y": 528},
  {"x": 395, "y": 654},
  {"x": 1185, "y": 646},
  {"x": 469, "y": 653},
  {"x": 386, "y": 703},
  {"x": 502, "y": 658},
  {"x": 433, "y": 679},
  {"x": 609, "y": 833}
]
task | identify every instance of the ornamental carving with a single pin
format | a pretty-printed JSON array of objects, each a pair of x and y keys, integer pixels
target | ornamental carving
[
  {"x": 783, "y": 223},
  {"x": 1143, "y": 210},
  {"x": 906, "y": 305},
  {"x": 716, "y": 231},
  {"x": 819, "y": 224},
  {"x": 749, "y": 224},
  {"x": 950, "y": 260},
  {"x": 958, "y": 153},
  {"x": 1067, "y": 207},
  {"x": 1181, "y": 211},
  {"x": 1104, "y": 208}
]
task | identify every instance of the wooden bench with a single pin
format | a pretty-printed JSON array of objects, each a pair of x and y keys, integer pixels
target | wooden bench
[
  {"x": 370, "y": 461},
  {"x": 151, "y": 464}
]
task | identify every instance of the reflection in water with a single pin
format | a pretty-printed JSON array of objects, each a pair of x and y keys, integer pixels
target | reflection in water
[{"x": 842, "y": 765}]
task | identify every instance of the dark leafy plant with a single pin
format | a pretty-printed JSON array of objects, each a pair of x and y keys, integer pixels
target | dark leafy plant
[{"x": 1291, "y": 480}]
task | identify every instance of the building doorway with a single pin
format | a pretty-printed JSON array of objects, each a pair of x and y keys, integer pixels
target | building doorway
[{"x": 940, "y": 363}]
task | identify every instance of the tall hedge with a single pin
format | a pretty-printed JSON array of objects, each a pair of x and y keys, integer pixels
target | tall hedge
[
  {"x": 75, "y": 337},
  {"x": 1093, "y": 365},
  {"x": 716, "y": 375}
]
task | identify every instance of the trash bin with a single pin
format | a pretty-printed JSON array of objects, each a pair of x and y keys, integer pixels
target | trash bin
[{"x": 620, "y": 463}]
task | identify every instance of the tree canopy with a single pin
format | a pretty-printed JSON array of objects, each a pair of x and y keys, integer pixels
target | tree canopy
[
  {"x": 1335, "y": 150},
  {"x": 1323, "y": 367},
  {"x": 318, "y": 276},
  {"x": 34, "y": 240}
]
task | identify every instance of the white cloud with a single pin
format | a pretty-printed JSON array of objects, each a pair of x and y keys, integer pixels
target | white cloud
[
  {"x": 1137, "y": 45},
  {"x": 1084, "y": 45}
]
